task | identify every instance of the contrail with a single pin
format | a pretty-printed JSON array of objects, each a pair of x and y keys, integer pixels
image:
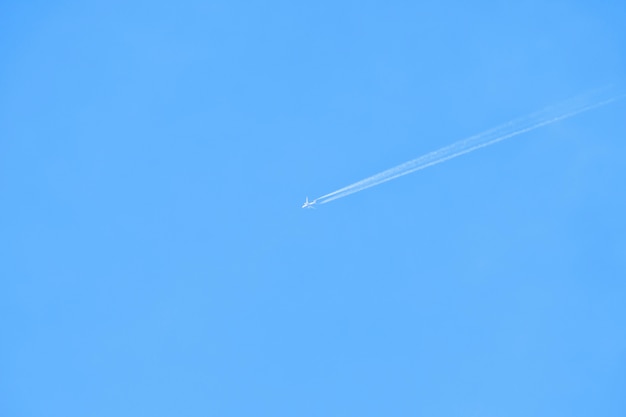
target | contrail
[{"x": 515, "y": 127}]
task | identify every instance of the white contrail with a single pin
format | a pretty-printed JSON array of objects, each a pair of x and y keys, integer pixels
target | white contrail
[{"x": 500, "y": 133}]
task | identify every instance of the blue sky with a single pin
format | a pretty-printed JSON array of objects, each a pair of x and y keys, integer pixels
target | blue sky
[{"x": 155, "y": 260}]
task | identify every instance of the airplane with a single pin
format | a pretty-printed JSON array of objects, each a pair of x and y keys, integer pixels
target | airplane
[{"x": 307, "y": 204}]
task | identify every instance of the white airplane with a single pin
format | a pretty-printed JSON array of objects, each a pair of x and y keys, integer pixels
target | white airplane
[{"x": 307, "y": 204}]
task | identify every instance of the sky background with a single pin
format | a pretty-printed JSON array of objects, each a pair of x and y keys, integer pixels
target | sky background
[{"x": 154, "y": 259}]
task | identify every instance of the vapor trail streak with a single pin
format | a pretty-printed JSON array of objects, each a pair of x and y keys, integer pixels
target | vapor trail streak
[{"x": 508, "y": 130}]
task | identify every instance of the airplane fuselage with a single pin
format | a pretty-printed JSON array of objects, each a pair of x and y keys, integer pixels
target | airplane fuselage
[{"x": 308, "y": 204}]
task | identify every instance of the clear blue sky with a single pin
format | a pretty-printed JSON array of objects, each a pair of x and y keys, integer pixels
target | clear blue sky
[{"x": 154, "y": 259}]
